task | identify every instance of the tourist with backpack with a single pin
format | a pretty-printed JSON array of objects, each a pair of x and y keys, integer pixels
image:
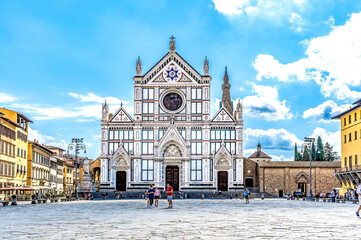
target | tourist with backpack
[{"x": 358, "y": 192}]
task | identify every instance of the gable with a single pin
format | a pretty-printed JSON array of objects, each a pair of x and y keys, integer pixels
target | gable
[
  {"x": 222, "y": 116},
  {"x": 161, "y": 72},
  {"x": 121, "y": 116}
]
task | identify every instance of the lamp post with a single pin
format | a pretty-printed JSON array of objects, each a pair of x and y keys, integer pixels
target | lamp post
[
  {"x": 310, "y": 140},
  {"x": 77, "y": 145}
]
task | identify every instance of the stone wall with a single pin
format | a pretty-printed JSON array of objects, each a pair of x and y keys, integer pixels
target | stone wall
[
  {"x": 250, "y": 170},
  {"x": 285, "y": 176}
]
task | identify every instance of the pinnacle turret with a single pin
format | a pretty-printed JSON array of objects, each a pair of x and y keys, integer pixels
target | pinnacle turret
[{"x": 226, "y": 96}]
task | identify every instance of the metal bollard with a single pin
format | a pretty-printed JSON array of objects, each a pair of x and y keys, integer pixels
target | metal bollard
[{"x": 14, "y": 200}]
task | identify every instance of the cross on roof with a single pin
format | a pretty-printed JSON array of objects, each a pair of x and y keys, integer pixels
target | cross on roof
[
  {"x": 172, "y": 38},
  {"x": 222, "y": 114}
]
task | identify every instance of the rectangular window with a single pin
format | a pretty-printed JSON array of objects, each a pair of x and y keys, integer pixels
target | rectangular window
[
  {"x": 349, "y": 119},
  {"x": 196, "y": 93},
  {"x": 356, "y": 163},
  {"x": 183, "y": 132},
  {"x": 355, "y": 117},
  {"x": 148, "y": 93},
  {"x": 161, "y": 132},
  {"x": 349, "y": 137},
  {"x": 345, "y": 138},
  {"x": 196, "y": 148},
  {"x": 148, "y": 107},
  {"x": 147, "y": 170},
  {"x": 196, "y": 107},
  {"x": 355, "y": 135},
  {"x": 350, "y": 161},
  {"x": 344, "y": 121},
  {"x": 147, "y": 148},
  {"x": 196, "y": 134},
  {"x": 147, "y": 134},
  {"x": 196, "y": 170}
]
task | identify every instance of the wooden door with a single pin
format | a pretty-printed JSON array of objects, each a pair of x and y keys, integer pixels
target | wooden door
[
  {"x": 172, "y": 177},
  {"x": 121, "y": 181},
  {"x": 223, "y": 181}
]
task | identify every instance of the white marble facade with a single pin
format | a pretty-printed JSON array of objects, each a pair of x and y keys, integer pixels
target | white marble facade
[{"x": 172, "y": 136}]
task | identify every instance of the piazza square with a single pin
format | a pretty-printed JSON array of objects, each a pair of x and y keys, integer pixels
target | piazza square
[
  {"x": 189, "y": 219},
  {"x": 183, "y": 119}
]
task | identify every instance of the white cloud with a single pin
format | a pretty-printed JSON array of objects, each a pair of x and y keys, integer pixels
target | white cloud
[
  {"x": 279, "y": 139},
  {"x": 266, "y": 104},
  {"x": 297, "y": 22},
  {"x": 280, "y": 158},
  {"x": 91, "y": 97},
  {"x": 333, "y": 138},
  {"x": 6, "y": 98},
  {"x": 332, "y": 61},
  {"x": 41, "y": 138},
  {"x": 325, "y": 111},
  {"x": 62, "y": 144},
  {"x": 276, "y": 11},
  {"x": 84, "y": 113}
]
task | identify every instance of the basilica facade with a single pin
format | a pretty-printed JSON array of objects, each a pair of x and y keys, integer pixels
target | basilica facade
[{"x": 172, "y": 137}]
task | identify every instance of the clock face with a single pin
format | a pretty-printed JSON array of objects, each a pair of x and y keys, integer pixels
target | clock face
[{"x": 172, "y": 101}]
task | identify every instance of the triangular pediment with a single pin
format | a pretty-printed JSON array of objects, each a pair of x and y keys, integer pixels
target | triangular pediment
[
  {"x": 223, "y": 157},
  {"x": 121, "y": 115},
  {"x": 120, "y": 158},
  {"x": 172, "y": 68},
  {"x": 222, "y": 116},
  {"x": 172, "y": 135}
]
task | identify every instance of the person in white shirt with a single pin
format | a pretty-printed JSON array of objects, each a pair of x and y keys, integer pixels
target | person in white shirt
[{"x": 358, "y": 192}]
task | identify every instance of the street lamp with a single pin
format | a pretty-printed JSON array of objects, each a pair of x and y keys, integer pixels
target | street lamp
[
  {"x": 310, "y": 140},
  {"x": 77, "y": 145}
]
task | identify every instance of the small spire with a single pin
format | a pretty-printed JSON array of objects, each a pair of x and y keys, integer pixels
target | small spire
[
  {"x": 206, "y": 67},
  {"x": 138, "y": 68},
  {"x": 121, "y": 104},
  {"x": 258, "y": 147},
  {"x": 172, "y": 43},
  {"x": 225, "y": 77}
]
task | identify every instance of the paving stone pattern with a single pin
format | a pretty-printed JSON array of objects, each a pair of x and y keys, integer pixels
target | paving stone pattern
[{"x": 189, "y": 219}]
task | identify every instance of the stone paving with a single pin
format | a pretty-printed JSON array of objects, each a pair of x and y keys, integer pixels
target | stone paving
[{"x": 189, "y": 219}]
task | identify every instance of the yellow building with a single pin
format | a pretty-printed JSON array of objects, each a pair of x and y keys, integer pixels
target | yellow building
[
  {"x": 14, "y": 147},
  {"x": 39, "y": 165},
  {"x": 350, "y": 173},
  {"x": 68, "y": 177}
]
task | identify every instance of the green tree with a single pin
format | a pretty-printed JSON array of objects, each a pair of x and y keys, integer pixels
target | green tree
[
  {"x": 320, "y": 156},
  {"x": 313, "y": 148},
  {"x": 295, "y": 153},
  {"x": 329, "y": 154},
  {"x": 306, "y": 153}
]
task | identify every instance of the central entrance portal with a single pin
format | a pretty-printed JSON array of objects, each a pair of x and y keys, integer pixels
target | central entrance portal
[
  {"x": 121, "y": 181},
  {"x": 223, "y": 181},
  {"x": 172, "y": 177}
]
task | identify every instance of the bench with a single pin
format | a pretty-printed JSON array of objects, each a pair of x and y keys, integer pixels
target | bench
[{"x": 5, "y": 203}]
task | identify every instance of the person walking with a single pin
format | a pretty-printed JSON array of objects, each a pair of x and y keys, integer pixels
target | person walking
[
  {"x": 246, "y": 195},
  {"x": 358, "y": 192},
  {"x": 156, "y": 196},
  {"x": 170, "y": 195},
  {"x": 146, "y": 198},
  {"x": 151, "y": 192}
]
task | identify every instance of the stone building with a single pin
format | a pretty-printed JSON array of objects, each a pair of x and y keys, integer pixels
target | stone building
[
  {"x": 172, "y": 137},
  {"x": 58, "y": 158},
  {"x": 281, "y": 177},
  {"x": 259, "y": 155}
]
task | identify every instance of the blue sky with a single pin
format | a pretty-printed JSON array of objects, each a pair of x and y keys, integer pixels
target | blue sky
[{"x": 293, "y": 63}]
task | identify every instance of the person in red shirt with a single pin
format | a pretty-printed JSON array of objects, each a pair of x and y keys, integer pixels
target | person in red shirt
[{"x": 170, "y": 196}]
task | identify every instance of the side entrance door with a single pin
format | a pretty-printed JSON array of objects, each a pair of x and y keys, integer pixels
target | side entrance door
[
  {"x": 172, "y": 177},
  {"x": 223, "y": 181},
  {"x": 121, "y": 181}
]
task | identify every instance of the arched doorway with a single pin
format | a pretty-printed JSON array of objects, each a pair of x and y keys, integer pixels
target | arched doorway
[
  {"x": 280, "y": 193},
  {"x": 223, "y": 181}
]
